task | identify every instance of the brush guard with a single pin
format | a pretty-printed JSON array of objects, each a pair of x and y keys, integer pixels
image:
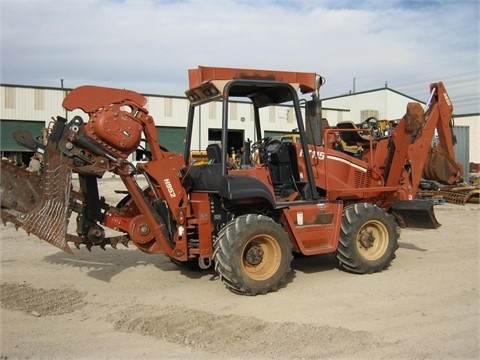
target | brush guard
[
  {"x": 42, "y": 204},
  {"x": 39, "y": 203}
]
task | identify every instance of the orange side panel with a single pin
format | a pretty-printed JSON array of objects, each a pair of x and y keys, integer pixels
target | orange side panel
[
  {"x": 314, "y": 229},
  {"x": 202, "y": 74}
]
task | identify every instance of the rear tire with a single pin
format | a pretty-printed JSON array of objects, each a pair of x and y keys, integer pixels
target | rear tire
[
  {"x": 252, "y": 255},
  {"x": 368, "y": 239}
]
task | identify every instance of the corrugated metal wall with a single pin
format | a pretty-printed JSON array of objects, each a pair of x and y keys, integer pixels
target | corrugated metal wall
[
  {"x": 23, "y": 103},
  {"x": 461, "y": 148},
  {"x": 472, "y": 121},
  {"x": 389, "y": 104},
  {"x": 30, "y": 104}
]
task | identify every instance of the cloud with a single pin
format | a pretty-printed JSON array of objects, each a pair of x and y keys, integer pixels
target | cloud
[{"x": 148, "y": 46}]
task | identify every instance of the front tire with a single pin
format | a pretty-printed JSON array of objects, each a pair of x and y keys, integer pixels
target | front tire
[
  {"x": 368, "y": 239},
  {"x": 252, "y": 255}
]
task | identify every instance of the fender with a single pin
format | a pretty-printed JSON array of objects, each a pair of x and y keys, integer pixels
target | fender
[{"x": 244, "y": 186}]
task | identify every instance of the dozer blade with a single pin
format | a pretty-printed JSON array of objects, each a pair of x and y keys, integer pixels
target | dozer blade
[
  {"x": 38, "y": 203},
  {"x": 416, "y": 213}
]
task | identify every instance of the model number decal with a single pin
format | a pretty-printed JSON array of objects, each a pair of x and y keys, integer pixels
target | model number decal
[
  {"x": 321, "y": 156},
  {"x": 314, "y": 154},
  {"x": 447, "y": 99},
  {"x": 169, "y": 186}
]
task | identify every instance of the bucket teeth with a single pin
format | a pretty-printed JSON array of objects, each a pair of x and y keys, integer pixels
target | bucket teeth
[{"x": 112, "y": 241}]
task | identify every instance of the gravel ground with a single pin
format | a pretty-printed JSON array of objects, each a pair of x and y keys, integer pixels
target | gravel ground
[{"x": 124, "y": 304}]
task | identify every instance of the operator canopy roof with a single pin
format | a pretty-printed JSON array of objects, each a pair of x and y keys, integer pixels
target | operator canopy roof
[{"x": 261, "y": 86}]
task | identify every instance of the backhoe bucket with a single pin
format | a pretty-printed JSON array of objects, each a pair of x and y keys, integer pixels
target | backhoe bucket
[
  {"x": 416, "y": 213},
  {"x": 38, "y": 203},
  {"x": 441, "y": 167}
]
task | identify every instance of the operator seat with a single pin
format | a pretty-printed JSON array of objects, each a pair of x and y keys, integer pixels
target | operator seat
[
  {"x": 280, "y": 165},
  {"x": 352, "y": 137},
  {"x": 205, "y": 177},
  {"x": 214, "y": 154},
  {"x": 324, "y": 127}
]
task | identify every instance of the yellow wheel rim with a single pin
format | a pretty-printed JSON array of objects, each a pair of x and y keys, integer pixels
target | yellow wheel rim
[
  {"x": 372, "y": 240},
  {"x": 261, "y": 257}
]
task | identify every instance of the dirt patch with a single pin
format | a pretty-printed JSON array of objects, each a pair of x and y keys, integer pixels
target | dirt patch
[
  {"x": 245, "y": 336},
  {"x": 40, "y": 302}
]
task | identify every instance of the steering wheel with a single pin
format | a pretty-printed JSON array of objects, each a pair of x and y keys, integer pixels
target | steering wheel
[
  {"x": 258, "y": 149},
  {"x": 260, "y": 143},
  {"x": 372, "y": 124}
]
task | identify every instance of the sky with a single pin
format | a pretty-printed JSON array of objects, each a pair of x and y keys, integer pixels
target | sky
[{"x": 148, "y": 45}]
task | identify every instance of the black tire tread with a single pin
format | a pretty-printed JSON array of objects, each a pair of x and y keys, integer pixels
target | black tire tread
[
  {"x": 226, "y": 253},
  {"x": 353, "y": 218}
]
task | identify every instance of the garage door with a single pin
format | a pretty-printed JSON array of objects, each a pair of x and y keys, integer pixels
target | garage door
[
  {"x": 274, "y": 134},
  {"x": 9, "y": 126},
  {"x": 172, "y": 138}
]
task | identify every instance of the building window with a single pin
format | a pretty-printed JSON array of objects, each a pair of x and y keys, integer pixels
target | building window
[
  {"x": 290, "y": 116},
  {"x": 233, "y": 111},
  {"x": 212, "y": 110},
  {"x": 10, "y": 98},
  {"x": 168, "y": 105},
  {"x": 272, "y": 114},
  {"x": 39, "y": 99}
]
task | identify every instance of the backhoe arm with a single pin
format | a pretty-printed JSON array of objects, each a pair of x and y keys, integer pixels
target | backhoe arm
[
  {"x": 440, "y": 163},
  {"x": 411, "y": 146},
  {"x": 412, "y": 157}
]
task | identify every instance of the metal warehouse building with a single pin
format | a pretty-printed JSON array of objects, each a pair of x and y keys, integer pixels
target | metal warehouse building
[{"x": 32, "y": 108}]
